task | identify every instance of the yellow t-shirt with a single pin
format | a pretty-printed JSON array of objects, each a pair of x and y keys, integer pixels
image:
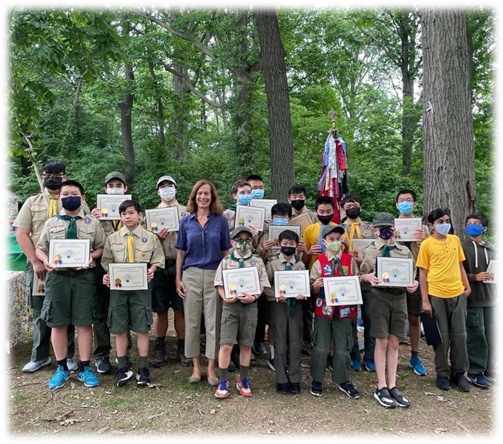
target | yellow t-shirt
[{"x": 442, "y": 261}]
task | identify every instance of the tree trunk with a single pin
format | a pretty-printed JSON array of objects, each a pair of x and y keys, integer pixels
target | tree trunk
[
  {"x": 449, "y": 155},
  {"x": 180, "y": 118},
  {"x": 126, "y": 108},
  {"x": 272, "y": 55}
]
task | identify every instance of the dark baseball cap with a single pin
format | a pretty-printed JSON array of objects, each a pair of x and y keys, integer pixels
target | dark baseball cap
[
  {"x": 115, "y": 175},
  {"x": 238, "y": 230},
  {"x": 332, "y": 229},
  {"x": 383, "y": 220}
]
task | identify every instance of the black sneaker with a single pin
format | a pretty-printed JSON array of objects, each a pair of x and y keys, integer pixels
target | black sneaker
[
  {"x": 159, "y": 354},
  {"x": 129, "y": 364},
  {"x": 399, "y": 398},
  {"x": 123, "y": 375},
  {"x": 350, "y": 390},
  {"x": 479, "y": 380},
  {"x": 186, "y": 362},
  {"x": 316, "y": 388},
  {"x": 282, "y": 388},
  {"x": 259, "y": 348},
  {"x": 295, "y": 388},
  {"x": 103, "y": 366},
  {"x": 143, "y": 377},
  {"x": 461, "y": 382},
  {"x": 270, "y": 364},
  {"x": 329, "y": 366},
  {"x": 443, "y": 383},
  {"x": 384, "y": 398}
]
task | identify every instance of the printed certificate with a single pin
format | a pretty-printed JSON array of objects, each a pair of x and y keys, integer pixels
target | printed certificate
[
  {"x": 165, "y": 217},
  {"x": 342, "y": 290},
  {"x": 291, "y": 283},
  {"x": 303, "y": 220},
  {"x": 359, "y": 246},
  {"x": 405, "y": 228},
  {"x": 69, "y": 253},
  {"x": 38, "y": 286},
  {"x": 240, "y": 280},
  {"x": 128, "y": 276},
  {"x": 109, "y": 205},
  {"x": 394, "y": 272},
  {"x": 492, "y": 269},
  {"x": 276, "y": 230},
  {"x": 267, "y": 204},
  {"x": 248, "y": 215}
]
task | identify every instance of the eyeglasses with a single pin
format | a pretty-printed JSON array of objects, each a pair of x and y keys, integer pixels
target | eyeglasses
[{"x": 49, "y": 175}]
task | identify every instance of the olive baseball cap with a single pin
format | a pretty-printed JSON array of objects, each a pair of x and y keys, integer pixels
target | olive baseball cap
[
  {"x": 238, "y": 230},
  {"x": 115, "y": 175},
  {"x": 383, "y": 220},
  {"x": 332, "y": 228}
]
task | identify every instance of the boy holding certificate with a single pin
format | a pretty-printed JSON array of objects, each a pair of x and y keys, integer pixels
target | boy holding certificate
[
  {"x": 331, "y": 326},
  {"x": 239, "y": 313},
  {"x": 131, "y": 309},
  {"x": 286, "y": 317},
  {"x": 388, "y": 309},
  {"x": 71, "y": 292}
]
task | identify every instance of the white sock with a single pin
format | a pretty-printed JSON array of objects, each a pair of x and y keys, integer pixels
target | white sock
[{"x": 271, "y": 348}]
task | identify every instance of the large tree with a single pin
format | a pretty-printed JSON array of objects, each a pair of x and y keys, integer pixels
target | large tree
[{"x": 449, "y": 155}]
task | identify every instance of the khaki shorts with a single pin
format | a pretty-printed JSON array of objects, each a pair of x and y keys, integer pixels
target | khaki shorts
[
  {"x": 388, "y": 311},
  {"x": 238, "y": 322},
  {"x": 130, "y": 310},
  {"x": 70, "y": 299}
]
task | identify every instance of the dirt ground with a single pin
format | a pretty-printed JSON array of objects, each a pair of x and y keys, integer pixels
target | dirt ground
[{"x": 172, "y": 406}]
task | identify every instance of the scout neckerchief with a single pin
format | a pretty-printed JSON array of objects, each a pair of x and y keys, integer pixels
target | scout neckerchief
[
  {"x": 291, "y": 302},
  {"x": 130, "y": 247},
  {"x": 53, "y": 206},
  {"x": 386, "y": 249},
  {"x": 71, "y": 230},
  {"x": 117, "y": 225},
  {"x": 241, "y": 261},
  {"x": 354, "y": 233}
]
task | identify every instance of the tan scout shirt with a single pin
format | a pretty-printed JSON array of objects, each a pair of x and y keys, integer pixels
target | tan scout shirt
[
  {"x": 87, "y": 228},
  {"x": 375, "y": 249},
  {"x": 279, "y": 264},
  {"x": 34, "y": 213},
  {"x": 147, "y": 248},
  {"x": 228, "y": 263},
  {"x": 168, "y": 244}
]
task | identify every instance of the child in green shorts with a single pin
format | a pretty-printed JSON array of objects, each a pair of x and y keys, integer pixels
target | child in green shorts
[
  {"x": 131, "y": 309},
  {"x": 239, "y": 313},
  {"x": 71, "y": 292}
]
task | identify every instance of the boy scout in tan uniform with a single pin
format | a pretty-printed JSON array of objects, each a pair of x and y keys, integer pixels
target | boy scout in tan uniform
[
  {"x": 71, "y": 292},
  {"x": 29, "y": 224},
  {"x": 164, "y": 293}
]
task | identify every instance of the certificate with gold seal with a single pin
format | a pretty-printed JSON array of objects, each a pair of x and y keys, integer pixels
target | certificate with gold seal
[
  {"x": 38, "y": 288},
  {"x": 291, "y": 283},
  {"x": 246, "y": 215},
  {"x": 342, "y": 290},
  {"x": 128, "y": 276},
  {"x": 69, "y": 253},
  {"x": 239, "y": 281},
  {"x": 165, "y": 217},
  {"x": 394, "y": 272},
  {"x": 109, "y": 205}
]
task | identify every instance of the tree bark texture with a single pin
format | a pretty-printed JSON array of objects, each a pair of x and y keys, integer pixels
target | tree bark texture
[
  {"x": 126, "y": 109},
  {"x": 272, "y": 55},
  {"x": 449, "y": 156}
]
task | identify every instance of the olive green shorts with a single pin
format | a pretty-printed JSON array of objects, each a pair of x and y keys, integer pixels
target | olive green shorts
[
  {"x": 130, "y": 310},
  {"x": 238, "y": 321},
  {"x": 388, "y": 311},
  {"x": 70, "y": 299}
]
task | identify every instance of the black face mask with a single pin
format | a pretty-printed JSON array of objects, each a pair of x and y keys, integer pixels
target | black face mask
[
  {"x": 386, "y": 233},
  {"x": 71, "y": 203},
  {"x": 353, "y": 213},
  {"x": 325, "y": 220},
  {"x": 288, "y": 251},
  {"x": 53, "y": 183},
  {"x": 298, "y": 204}
]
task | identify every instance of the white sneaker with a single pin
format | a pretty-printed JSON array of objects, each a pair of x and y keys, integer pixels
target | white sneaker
[
  {"x": 33, "y": 366},
  {"x": 72, "y": 366}
]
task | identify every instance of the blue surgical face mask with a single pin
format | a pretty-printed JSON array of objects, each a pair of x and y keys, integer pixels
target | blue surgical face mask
[
  {"x": 244, "y": 199},
  {"x": 405, "y": 207},
  {"x": 257, "y": 194},
  {"x": 442, "y": 229},
  {"x": 474, "y": 230},
  {"x": 280, "y": 221}
]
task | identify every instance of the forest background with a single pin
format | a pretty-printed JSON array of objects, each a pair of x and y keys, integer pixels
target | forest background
[{"x": 185, "y": 92}]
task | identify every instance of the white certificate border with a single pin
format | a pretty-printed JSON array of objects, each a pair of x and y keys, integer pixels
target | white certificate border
[
  {"x": 52, "y": 247},
  {"x": 379, "y": 265},
  {"x": 492, "y": 267},
  {"x": 112, "y": 197},
  {"x": 137, "y": 265},
  {"x": 151, "y": 214},
  {"x": 280, "y": 274},
  {"x": 337, "y": 281},
  {"x": 240, "y": 208},
  {"x": 227, "y": 276},
  {"x": 266, "y": 204},
  {"x": 281, "y": 228},
  {"x": 415, "y": 221}
]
